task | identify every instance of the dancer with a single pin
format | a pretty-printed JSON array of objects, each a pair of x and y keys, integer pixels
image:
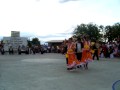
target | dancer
[
  {"x": 86, "y": 53},
  {"x": 79, "y": 46},
  {"x": 72, "y": 60}
]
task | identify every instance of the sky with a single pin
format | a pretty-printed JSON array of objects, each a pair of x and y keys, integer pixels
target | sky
[{"x": 54, "y": 19}]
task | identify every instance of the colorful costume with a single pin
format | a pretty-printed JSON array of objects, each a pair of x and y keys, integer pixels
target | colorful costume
[
  {"x": 86, "y": 53},
  {"x": 72, "y": 60}
]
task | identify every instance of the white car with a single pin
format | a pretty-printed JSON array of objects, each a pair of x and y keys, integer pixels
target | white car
[{"x": 23, "y": 49}]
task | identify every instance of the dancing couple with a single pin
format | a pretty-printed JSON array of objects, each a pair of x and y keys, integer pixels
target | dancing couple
[{"x": 78, "y": 53}]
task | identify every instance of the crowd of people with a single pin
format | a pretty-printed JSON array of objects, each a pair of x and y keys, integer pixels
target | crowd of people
[{"x": 80, "y": 52}]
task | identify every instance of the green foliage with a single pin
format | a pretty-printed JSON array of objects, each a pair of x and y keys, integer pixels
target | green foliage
[
  {"x": 113, "y": 32},
  {"x": 35, "y": 41},
  {"x": 96, "y": 32},
  {"x": 29, "y": 43},
  {"x": 90, "y": 30}
]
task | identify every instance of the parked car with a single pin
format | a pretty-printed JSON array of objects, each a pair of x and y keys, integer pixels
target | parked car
[{"x": 23, "y": 49}]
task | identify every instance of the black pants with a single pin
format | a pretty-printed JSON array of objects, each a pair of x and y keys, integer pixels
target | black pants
[
  {"x": 96, "y": 54},
  {"x": 79, "y": 56},
  {"x": 66, "y": 60}
]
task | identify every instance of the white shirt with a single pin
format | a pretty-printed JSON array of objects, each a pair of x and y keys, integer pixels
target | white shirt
[{"x": 79, "y": 49}]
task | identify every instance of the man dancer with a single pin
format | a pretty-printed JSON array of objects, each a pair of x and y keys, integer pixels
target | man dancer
[{"x": 79, "y": 46}]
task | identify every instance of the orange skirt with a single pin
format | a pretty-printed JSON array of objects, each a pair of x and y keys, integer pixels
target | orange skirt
[
  {"x": 72, "y": 61},
  {"x": 86, "y": 56}
]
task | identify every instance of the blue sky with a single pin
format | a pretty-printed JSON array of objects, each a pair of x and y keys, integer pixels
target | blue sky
[{"x": 54, "y": 19}]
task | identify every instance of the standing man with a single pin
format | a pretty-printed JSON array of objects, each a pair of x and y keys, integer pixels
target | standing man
[
  {"x": 95, "y": 48},
  {"x": 79, "y": 46}
]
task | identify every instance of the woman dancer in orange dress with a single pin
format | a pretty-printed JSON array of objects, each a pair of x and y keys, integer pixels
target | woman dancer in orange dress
[
  {"x": 86, "y": 53},
  {"x": 72, "y": 60}
]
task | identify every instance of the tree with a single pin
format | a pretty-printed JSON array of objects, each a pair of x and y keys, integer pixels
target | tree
[
  {"x": 102, "y": 31},
  {"x": 29, "y": 43},
  {"x": 113, "y": 32},
  {"x": 101, "y": 27},
  {"x": 109, "y": 32},
  {"x": 35, "y": 41},
  {"x": 90, "y": 29},
  {"x": 80, "y": 30},
  {"x": 116, "y": 28}
]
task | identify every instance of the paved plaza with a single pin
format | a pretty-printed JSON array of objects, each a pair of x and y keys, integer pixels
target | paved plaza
[{"x": 48, "y": 72}]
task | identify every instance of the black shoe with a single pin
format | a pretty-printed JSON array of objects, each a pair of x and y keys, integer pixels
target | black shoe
[{"x": 78, "y": 66}]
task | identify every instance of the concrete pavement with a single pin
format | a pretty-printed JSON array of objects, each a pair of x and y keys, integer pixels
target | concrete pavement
[{"x": 48, "y": 72}]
